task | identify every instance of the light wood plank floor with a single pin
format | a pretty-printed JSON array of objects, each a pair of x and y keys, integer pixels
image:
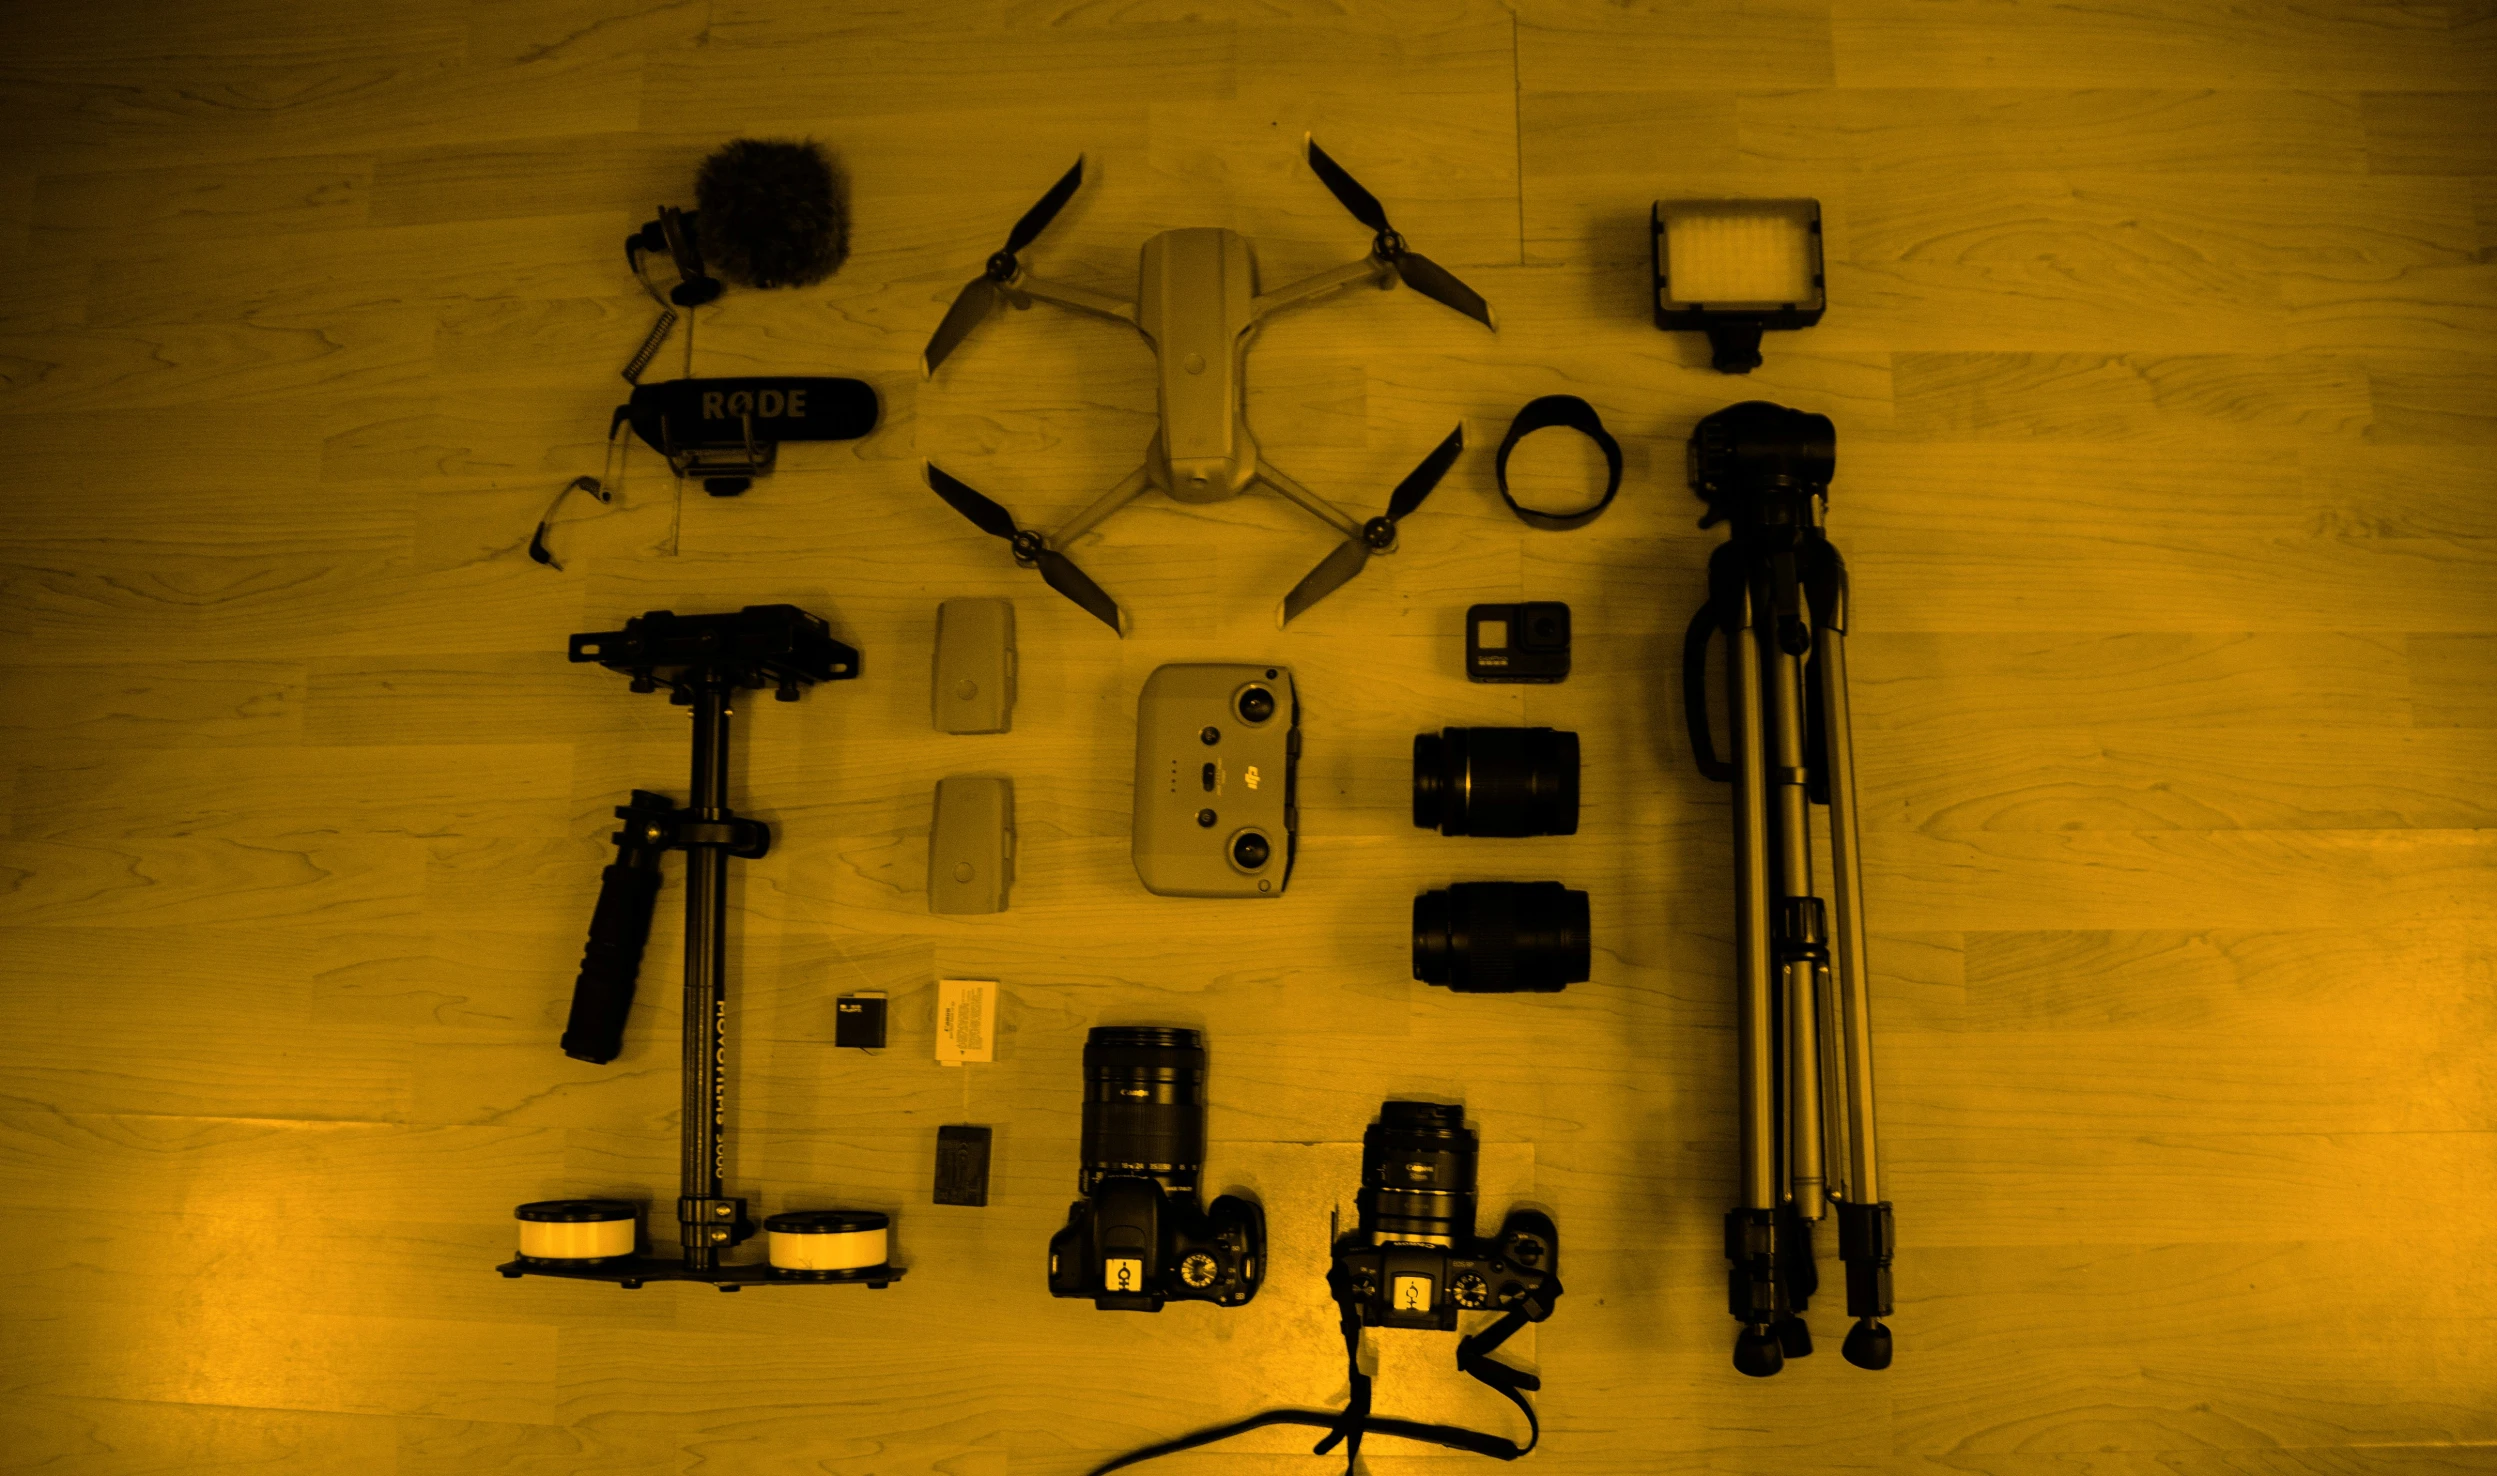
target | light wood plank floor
[{"x": 2163, "y": 352}]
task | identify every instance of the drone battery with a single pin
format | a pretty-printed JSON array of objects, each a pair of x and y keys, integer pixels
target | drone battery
[
  {"x": 962, "y": 1165},
  {"x": 971, "y": 844},
  {"x": 858, "y": 1020},
  {"x": 974, "y": 682}
]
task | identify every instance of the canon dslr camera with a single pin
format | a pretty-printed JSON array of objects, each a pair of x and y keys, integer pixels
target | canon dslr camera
[
  {"x": 1415, "y": 1261},
  {"x": 1140, "y": 1237}
]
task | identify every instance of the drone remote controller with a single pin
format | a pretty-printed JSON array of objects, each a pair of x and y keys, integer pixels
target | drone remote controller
[{"x": 1217, "y": 754}]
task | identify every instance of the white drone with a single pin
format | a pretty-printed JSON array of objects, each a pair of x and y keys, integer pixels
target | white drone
[{"x": 1198, "y": 305}]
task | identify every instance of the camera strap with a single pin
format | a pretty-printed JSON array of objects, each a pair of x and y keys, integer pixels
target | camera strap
[
  {"x": 1347, "y": 1426},
  {"x": 1579, "y": 416}
]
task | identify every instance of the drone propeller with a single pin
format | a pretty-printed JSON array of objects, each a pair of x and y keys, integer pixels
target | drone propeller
[
  {"x": 1030, "y": 549},
  {"x": 1377, "y": 535},
  {"x": 980, "y": 294},
  {"x": 1420, "y": 273}
]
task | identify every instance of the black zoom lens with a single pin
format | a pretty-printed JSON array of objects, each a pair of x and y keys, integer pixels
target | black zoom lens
[
  {"x": 1144, "y": 1105},
  {"x": 1417, "y": 1175},
  {"x": 1496, "y": 781},
  {"x": 1501, "y": 937}
]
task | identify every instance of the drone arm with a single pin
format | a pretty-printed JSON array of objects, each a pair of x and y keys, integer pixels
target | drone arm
[
  {"x": 1316, "y": 506},
  {"x": 1081, "y": 299},
  {"x": 1369, "y": 268},
  {"x": 1109, "y": 502}
]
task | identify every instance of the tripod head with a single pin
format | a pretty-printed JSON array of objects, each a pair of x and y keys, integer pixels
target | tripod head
[
  {"x": 1764, "y": 470},
  {"x": 1759, "y": 465}
]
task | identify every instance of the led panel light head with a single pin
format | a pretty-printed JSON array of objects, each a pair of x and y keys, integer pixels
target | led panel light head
[{"x": 1731, "y": 268}]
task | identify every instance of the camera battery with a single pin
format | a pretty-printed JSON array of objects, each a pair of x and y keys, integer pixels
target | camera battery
[
  {"x": 962, "y": 1165},
  {"x": 858, "y": 1020},
  {"x": 966, "y": 1021}
]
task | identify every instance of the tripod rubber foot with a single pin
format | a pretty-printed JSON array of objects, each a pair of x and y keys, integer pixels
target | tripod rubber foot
[
  {"x": 1795, "y": 1337},
  {"x": 1868, "y": 1345},
  {"x": 1756, "y": 1352}
]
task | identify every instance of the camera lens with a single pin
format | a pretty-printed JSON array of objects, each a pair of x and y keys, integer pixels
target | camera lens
[
  {"x": 1255, "y": 705},
  {"x": 1417, "y": 1175},
  {"x": 1249, "y": 851},
  {"x": 1496, "y": 781},
  {"x": 1501, "y": 937},
  {"x": 1144, "y": 1105}
]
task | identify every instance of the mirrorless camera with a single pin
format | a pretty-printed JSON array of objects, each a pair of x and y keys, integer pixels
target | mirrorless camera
[
  {"x": 1415, "y": 1261},
  {"x": 1217, "y": 749},
  {"x": 1140, "y": 1237}
]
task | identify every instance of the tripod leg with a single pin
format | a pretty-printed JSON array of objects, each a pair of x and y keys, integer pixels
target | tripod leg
[
  {"x": 1865, "y": 1239},
  {"x": 1802, "y": 946},
  {"x": 1832, "y": 1077},
  {"x": 1798, "y": 1277},
  {"x": 1802, "y": 952},
  {"x": 1751, "y": 1227}
]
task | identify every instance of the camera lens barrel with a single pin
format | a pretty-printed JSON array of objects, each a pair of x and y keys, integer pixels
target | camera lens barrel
[
  {"x": 1496, "y": 781},
  {"x": 1502, "y": 937},
  {"x": 1144, "y": 1105},
  {"x": 1417, "y": 1175}
]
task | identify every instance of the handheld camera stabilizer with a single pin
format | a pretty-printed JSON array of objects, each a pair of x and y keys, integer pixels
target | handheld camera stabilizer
[
  {"x": 1805, "y": 1027},
  {"x": 702, "y": 661},
  {"x": 1416, "y": 1262}
]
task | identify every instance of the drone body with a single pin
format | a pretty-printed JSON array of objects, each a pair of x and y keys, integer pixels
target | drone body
[
  {"x": 1198, "y": 305},
  {"x": 1196, "y": 302}
]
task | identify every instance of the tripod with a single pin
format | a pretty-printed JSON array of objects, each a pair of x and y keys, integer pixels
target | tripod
[
  {"x": 1804, "y": 1022},
  {"x": 703, "y": 661}
]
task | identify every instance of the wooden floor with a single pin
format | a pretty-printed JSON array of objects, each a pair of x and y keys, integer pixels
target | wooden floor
[{"x": 2163, "y": 355}]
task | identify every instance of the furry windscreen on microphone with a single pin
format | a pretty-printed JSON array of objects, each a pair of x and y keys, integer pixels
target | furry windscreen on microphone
[{"x": 772, "y": 213}]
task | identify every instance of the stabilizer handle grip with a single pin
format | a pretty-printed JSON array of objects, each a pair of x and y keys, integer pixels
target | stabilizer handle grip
[{"x": 602, "y": 996}]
